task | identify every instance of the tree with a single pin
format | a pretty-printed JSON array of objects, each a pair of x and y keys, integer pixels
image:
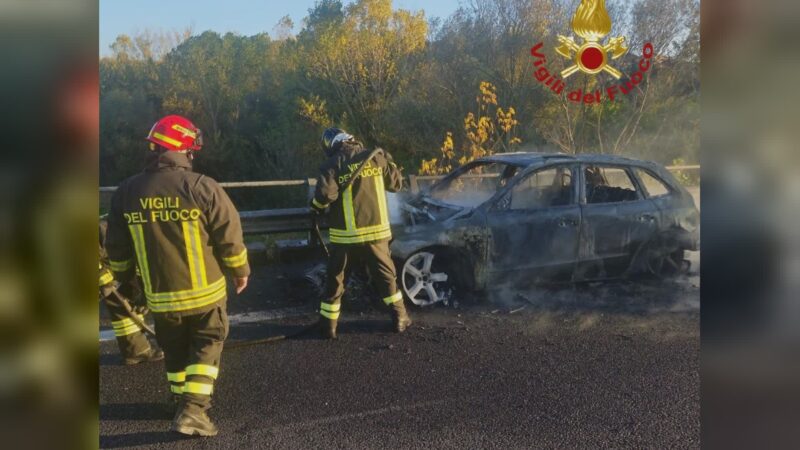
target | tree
[
  {"x": 488, "y": 130},
  {"x": 362, "y": 60}
]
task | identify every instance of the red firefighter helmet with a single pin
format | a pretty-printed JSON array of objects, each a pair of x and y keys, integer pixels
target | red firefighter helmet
[{"x": 176, "y": 133}]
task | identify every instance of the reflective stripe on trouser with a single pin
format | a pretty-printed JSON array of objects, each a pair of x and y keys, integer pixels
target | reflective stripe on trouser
[
  {"x": 396, "y": 297},
  {"x": 330, "y": 310},
  {"x": 192, "y": 347},
  {"x": 126, "y": 326},
  {"x": 130, "y": 339},
  {"x": 375, "y": 255},
  {"x": 178, "y": 383},
  {"x": 176, "y": 380}
]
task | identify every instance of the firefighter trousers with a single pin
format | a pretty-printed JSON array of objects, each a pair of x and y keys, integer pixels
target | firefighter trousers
[
  {"x": 192, "y": 346},
  {"x": 130, "y": 338},
  {"x": 378, "y": 259}
]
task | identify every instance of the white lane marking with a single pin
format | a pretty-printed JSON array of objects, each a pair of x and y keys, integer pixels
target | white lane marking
[
  {"x": 358, "y": 415},
  {"x": 107, "y": 335},
  {"x": 263, "y": 316},
  {"x": 240, "y": 319}
]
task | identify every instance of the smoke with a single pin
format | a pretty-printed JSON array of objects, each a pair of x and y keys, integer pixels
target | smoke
[
  {"x": 642, "y": 296},
  {"x": 394, "y": 200}
]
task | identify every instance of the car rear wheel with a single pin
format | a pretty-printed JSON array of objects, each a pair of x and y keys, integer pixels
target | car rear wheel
[
  {"x": 663, "y": 263},
  {"x": 426, "y": 279}
]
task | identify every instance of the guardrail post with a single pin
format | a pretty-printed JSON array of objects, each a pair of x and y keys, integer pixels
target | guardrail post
[
  {"x": 311, "y": 238},
  {"x": 412, "y": 184}
]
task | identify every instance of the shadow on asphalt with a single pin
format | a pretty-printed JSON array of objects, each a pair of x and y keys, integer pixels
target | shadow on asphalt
[
  {"x": 241, "y": 336},
  {"x": 112, "y": 359},
  {"x": 134, "y": 411},
  {"x": 139, "y": 439},
  {"x": 364, "y": 326},
  {"x": 358, "y": 326}
]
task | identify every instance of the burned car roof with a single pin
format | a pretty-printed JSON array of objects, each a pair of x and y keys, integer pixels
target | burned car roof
[
  {"x": 524, "y": 159},
  {"x": 530, "y": 158},
  {"x": 527, "y": 159}
]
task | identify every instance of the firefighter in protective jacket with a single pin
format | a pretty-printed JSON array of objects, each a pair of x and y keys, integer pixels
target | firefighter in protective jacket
[
  {"x": 184, "y": 234},
  {"x": 133, "y": 344},
  {"x": 359, "y": 222}
]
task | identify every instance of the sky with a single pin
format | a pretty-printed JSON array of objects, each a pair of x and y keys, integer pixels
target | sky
[{"x": 245, "y": 17}]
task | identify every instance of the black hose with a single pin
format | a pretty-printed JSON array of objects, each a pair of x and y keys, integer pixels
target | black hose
[
  {"x": 272, "y": 339},
  {"x": 315, "y": 226},
  {"x": 358, "y": 171},
  {"x": 133, "y": 316}
]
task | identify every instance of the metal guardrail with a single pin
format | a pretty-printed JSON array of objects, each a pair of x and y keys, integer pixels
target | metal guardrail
[
  {"x": 274, "y": 221},
  {"x": 289, "y": 220},
  {"x": 311, "y": 182}
]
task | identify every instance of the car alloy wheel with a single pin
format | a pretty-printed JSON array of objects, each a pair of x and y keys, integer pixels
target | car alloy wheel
[{"x": 422, "y": 283}]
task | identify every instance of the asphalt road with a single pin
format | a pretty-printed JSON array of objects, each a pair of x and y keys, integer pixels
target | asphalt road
[{"x": 600, "y": 365}]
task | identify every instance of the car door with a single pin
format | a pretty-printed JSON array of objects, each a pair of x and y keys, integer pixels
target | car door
[
  {"x": 616, "y": 217},
  {"x": 534, "y": 225}
]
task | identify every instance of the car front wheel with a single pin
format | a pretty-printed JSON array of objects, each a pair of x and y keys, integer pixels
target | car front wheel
[{"x": 426, "y": 279}]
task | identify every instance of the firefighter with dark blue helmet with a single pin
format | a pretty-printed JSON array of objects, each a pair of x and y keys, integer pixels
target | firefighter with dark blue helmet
[{"x": 352, "y": 184}]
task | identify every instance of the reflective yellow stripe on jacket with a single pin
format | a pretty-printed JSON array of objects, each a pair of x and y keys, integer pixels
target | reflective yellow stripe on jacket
[
  {"x": 200, "y": 294},
  {"x": 355, "y": 235},
  {"x": 317, "y": 204},
  {"x": 187, "y": 299},
  {"x": 194, "y": 253},
  {"x": 120, "y": 266},
  {"x": 236, "y": 260}
]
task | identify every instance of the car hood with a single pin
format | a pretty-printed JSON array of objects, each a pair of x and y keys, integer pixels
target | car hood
[
  {"x": 423, "y": 209},
  {"x": 409, "y": 238}
]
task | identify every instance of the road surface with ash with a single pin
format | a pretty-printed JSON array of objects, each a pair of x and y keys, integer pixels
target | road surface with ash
[{"x": 597, "y": 365}]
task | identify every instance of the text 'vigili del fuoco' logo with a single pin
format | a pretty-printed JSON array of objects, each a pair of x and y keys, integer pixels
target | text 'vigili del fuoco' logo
[{"x": 591, "y": 23}]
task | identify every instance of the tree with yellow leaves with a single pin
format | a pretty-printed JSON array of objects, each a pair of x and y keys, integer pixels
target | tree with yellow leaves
[
  {"x": 363, "y": 59},
  {"x": 488, "y": 131}
]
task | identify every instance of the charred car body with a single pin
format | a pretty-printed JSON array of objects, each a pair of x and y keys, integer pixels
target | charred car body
[{"x": 543, "y": 218}]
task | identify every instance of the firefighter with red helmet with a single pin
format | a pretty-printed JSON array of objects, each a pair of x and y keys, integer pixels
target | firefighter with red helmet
[
  {"x": 183, "y": 233},
  {"x": 353, "y": 184}
]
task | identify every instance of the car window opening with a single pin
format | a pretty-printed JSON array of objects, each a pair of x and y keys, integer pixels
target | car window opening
[
  {"x": 540, "y": 189},
  {"x": 475, "y": 185},
  {"x": 652, "y": 184},
  {"x": 608, "y": 185}
]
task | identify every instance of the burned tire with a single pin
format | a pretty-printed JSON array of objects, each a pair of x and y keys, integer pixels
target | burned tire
[
  {"x": 427, "y": 277},
  {"x": 663, "y": 263}
]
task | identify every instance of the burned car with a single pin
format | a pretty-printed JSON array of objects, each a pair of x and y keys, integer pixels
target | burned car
[{"x": 533, "y": 217}]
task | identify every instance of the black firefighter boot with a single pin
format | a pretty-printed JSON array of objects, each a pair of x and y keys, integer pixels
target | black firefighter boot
[
  {"x": 192, "y": 420},
  {"x": 327, "y": 328},
  {"x": 172, "y": 403},
  {"x": 400, "y": 318}
]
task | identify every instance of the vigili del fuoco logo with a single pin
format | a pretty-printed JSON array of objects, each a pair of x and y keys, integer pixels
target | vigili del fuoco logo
[{"x": 591, "y": 56}]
